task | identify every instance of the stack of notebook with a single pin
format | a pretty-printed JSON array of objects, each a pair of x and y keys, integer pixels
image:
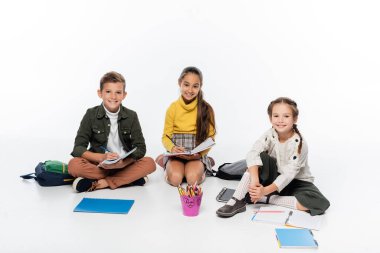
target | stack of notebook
[{"x": 295, "y": 238}]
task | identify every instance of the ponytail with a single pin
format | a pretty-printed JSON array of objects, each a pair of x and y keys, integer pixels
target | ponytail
[
  {"x": 298, "y": 132},
  {"x": 205, "y": 119}
]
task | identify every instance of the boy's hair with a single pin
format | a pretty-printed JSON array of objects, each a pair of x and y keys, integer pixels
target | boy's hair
[
  {"x": 205, "y": 115},
  {"x": 112, "y": 77},
  {"x": 293, "y": 106}
]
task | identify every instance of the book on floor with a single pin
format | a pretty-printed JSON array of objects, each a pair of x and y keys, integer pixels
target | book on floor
[
  {"x": 289, "y": 217},
  {"x": 98, "y": 205},
  {"x": 272, "y": 214},
  {"x": 225, "y": 194},
  {"x": 303, "y": 219},
  {"x": 295, "y": 238}
]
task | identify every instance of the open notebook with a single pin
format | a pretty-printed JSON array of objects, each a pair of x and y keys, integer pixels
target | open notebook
[
  {"x": 208, "y": 143},
  {"x": 120, "y": 157},
  {"x": 285, "y": 216}
]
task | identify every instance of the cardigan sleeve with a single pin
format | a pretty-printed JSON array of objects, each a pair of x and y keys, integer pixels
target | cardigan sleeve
[
  {"x": 292, "y": 168},
  {"x": 261, "y": 145}
]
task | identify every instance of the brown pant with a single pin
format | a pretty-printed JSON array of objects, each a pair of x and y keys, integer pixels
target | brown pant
[{"x": 80, "y": 167}]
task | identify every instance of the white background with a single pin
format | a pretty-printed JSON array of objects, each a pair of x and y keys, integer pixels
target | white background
[{"x": 323, "y": 54}]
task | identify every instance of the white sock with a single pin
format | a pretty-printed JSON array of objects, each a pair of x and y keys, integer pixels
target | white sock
[
  {"x": 241, "y": 189},
  {"x": 285, "y": 201},
  {"x": 262, "y": 200}
]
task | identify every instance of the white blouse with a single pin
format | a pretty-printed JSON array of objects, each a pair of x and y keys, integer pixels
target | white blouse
[{"x": 290, "y": 164}]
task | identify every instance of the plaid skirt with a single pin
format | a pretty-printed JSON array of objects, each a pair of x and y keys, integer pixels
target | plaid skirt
[{"x": 188, "y": 142}]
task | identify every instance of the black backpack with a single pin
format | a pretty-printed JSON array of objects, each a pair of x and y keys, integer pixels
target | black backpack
[{"x": 231, "y": 171}]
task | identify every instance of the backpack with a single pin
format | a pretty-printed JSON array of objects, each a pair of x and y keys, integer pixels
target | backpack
[
  {"x": 231, "y": 171},
  {"x": 51, "y": 173}
]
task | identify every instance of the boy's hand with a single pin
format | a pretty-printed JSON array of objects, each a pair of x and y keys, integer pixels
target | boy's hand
[
  {"x": 118, "y": 165},
  {"x": 111, "y": 156}
]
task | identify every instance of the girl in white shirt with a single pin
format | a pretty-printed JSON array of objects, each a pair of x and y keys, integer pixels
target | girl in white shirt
[{"x": 278, "y": 172}]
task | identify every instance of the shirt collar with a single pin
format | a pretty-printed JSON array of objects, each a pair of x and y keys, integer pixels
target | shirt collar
[{"x": 102, "y": 112}]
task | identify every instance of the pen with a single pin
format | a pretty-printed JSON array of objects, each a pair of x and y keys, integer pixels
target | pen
[
  {"x": 171, "y": 140},
  {"x": 185, "y": 152},
  {"x": 105, "y": 149},
  {"x": 287, "y": 219}
]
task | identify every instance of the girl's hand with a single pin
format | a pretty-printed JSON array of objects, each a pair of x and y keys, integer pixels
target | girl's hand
[
  {"x": 190, "y": 157},
  {"x": 256, "y": 192},
  {"x": 177, "y": 149}
]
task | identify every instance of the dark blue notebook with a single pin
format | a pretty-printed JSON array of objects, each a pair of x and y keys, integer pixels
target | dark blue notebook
[
  {"x": 93, "y": 205},
  {"x": 295, "y": 238}
]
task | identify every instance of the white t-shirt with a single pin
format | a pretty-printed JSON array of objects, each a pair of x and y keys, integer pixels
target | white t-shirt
[{"x": 114, "y": 144}]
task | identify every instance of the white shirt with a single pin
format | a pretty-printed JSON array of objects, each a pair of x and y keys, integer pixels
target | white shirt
[
  {"x": 290, "y": 164},
  {"x": 114, "y": 144}
]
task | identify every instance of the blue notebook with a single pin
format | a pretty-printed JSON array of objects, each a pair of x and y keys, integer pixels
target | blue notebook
[
  {"x": 93, "y": 205},
  {"x": 295, "y": 238}
]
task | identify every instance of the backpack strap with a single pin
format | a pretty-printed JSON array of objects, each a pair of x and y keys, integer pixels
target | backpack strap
[
  {"x": 29, "y": 176},
  {"x": 214, "y": 172}
]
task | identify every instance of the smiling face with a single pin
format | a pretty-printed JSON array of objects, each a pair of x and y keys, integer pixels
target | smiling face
[
  {"x": 112, "y": 95},
  {"x": 190, "y": 85},
  {"x": 282, "y": 120}
]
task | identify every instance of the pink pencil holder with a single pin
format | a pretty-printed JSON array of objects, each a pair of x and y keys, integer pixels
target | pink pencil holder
[{"x": 191, "y": 205}]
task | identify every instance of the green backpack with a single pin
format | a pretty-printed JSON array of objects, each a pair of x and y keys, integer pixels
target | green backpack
[
  {"x": 56, "y": 167},
  {"x": 51, "y": 173}
]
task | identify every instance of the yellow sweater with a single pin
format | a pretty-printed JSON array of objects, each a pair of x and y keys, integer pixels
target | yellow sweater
[{"x": 181, "y": 118}]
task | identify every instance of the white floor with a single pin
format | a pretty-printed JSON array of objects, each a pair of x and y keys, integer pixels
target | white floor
[
  {"x": 323, "y": 54},
  {"x": 38, "y": 219}
]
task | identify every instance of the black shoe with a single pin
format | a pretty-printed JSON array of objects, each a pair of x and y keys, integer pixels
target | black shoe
[
  {"x": 249, "y": 201},
  {"x": 81, "y": 184},
  {"x": 139, "y": 182},
  {"x": 229, "y": 211}
]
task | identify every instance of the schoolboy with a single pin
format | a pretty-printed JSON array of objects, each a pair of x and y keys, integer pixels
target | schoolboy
[{"x": 111, "y": 130}]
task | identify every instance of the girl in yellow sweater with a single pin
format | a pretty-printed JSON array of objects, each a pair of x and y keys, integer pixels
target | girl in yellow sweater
[{"x": 189, "y": 121}]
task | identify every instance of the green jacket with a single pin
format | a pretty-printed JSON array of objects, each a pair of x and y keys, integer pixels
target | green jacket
[{"x": 95, "y": 127}]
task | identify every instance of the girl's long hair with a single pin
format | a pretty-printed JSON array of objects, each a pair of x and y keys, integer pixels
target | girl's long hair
[{"x": 205, "y": 113}]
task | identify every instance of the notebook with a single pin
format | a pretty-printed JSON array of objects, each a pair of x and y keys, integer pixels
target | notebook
[
  {"x": 120, "y": 158},
  {"x": 295, "y": 238},
  {"x": 284, "y": 216},
  {"x": 303, "y": 219},
  {"x": 96, "y": 205},
  {"x": 272, "y": 214},
  {"x": 208, "y": 143},
  {"x": 225, "y": 194}
]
